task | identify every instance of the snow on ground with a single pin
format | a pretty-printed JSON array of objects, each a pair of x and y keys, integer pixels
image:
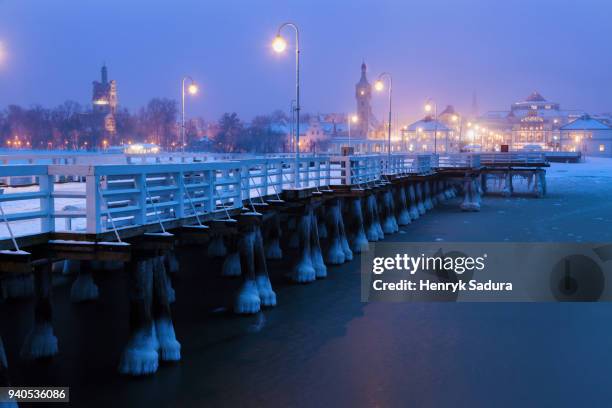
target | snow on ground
[
  {"x": 592, "y": 167},
  {"x": 577, "y": 208},
  {"x": 28, "y": 227}
]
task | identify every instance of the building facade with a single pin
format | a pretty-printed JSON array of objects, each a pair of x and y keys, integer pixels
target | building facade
[
  {"x": 429, "y": 135},
  {"x": 104, "y": 101},
  {"x": 590, "y": 136},
  {"x": 363, "y": 98},
  {"x": 534, "y": 122}
]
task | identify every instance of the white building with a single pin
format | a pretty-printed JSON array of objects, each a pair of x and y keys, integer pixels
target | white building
[
  {"x": 534, "y": 121},
  {"x": 427, "y": 135},
  {"x": 590, "y": 136}
]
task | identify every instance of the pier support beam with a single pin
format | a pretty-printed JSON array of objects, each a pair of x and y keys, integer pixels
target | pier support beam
[
  {"x": 303, "y": 270},
  {"x": 140, "y": 355},
  {"x": 483, "y": 183},
  {"x": 427, "y": 203},
  {"x": 373, "y": 228},
  {"x": 539, "y": 183},
  {"x": 256, "y": 289},
  {"x": 389, "y": 224},
  {"x": 412, "y": 202},
  {"x": 471, "y": 195},
  {"x": 419, "y": 198},
  {"x": 169, "y": 347},
  {"x": 273, "y": 236},
  {"x": 83, "y": 288},
  {"x": 543, "y": 186},
  {"x": 41, "y": 342},
  {"x": 433, "y": 192},
  {"x": 315, "y": 248},
  {"x": 335, "y": 254},
  {"x": 440, "y": 191},
  {"x": 355, "y": 225},
  {"x": 401, "y": 205},
  {"x": 508, "y": 188},
  {"x": 348, "y": 254},
  {"x": 231, "y": 263}
]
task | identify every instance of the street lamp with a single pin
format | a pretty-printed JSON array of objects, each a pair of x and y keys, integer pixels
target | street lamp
[
  {"x": 351, "y": 119},
  {"x": 192, "y": 89},
  {"x": 429, "y": 106},
  {"x": 279, "y": 45},
  {"x": 379, "y": 85}
]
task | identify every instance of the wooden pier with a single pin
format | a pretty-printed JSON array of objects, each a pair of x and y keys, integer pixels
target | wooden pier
[{"x": 247, "y": 210}]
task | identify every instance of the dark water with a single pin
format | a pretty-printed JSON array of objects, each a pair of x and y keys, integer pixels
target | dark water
[{"x": 322, "y": 347}]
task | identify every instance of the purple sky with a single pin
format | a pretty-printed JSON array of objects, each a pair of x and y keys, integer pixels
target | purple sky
[{"x": 503, "y": 50}]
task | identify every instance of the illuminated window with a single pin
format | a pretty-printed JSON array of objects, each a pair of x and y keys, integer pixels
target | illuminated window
[{"x": 602, "y": 148}]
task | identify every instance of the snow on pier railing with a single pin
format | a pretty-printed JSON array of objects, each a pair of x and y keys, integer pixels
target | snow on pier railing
[{"x": 97, "y": 198}]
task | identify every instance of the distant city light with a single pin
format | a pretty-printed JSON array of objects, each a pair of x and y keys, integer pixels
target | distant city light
[
  {"x": 140, "y": 148},
  {"x": 455, "y": 118},
  {"x": 279, "y": 44},
  {"x": 379, "y": 85}
]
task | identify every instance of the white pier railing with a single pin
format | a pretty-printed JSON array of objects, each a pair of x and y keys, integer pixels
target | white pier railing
[
  {"x": 457, "y": 160},
  {"x": 97, "y": 198},
  {"x": 513, "y": 158}
]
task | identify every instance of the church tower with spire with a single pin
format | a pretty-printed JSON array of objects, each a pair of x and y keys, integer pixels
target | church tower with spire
[
  {"x": 363, "y": 95},
  {"x": 104, "y": 100}
]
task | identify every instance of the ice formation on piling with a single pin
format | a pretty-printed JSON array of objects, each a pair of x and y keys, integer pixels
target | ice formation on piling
[
  {"x": 335, "y": 254},
  {"x": 413, "y": 210},
  {"x": 84, "y": 288},
  {"x": 359, "y": 241},
  {"x": 303, "y": 271},
  {"x": 140, "y": 356},
  {"x": 40, "y": 342},
  {"x": 315, "y": 249},
  {"x": 248, "y": 300},
  {"x": 231, "y": 265},
  {"x": 403, "y": 216}
]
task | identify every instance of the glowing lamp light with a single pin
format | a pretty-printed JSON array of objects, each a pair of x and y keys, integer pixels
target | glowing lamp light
[
  {"x": 192, "y": 89},
  {"x": 279, "y": 44},
  {"x": 379, "y": 85},
  {"x": 354, "y": 118},
  {"x": 455, "y": 118},
  {"x": 428, "y": 107},
  {"x": 2, "y": 52}
]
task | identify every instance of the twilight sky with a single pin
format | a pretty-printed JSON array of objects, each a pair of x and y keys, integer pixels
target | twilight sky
[{"x": 444, "y": 49}]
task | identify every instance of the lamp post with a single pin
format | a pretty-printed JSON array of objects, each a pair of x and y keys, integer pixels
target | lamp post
[
  {"x": 192, "y": 89},
  {"x": 354, "y": 119},
  {"x": 292, "y": 137},
  {"x": 379, "y": 86},
  {"x": 280, "y": 45},
  {"x": 428, "y": 107}
]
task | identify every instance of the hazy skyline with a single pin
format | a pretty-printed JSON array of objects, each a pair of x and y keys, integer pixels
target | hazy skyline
[{"x": 445, "y": 50}]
